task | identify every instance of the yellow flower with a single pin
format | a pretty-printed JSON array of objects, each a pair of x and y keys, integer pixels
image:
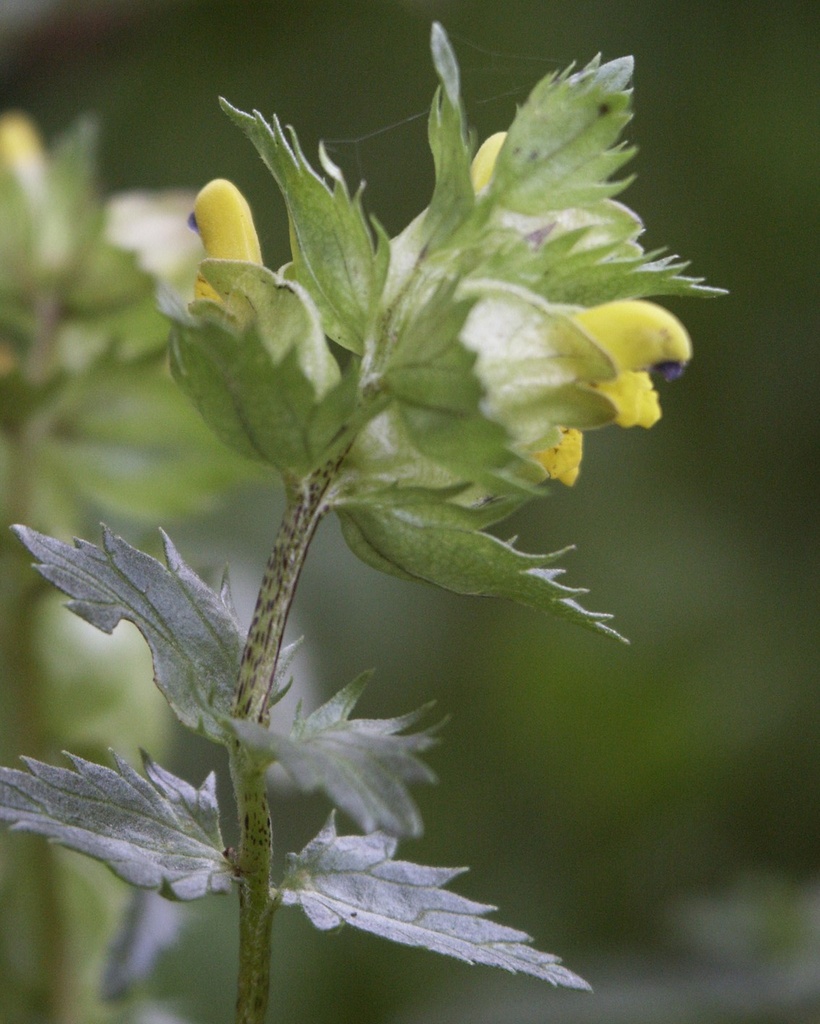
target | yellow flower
[
  {"x": 638, "y": 336},
  {"x": 19, "y": 139},
  {"x": 225, "y": 224},
  {"x": 22, "y": 151}
]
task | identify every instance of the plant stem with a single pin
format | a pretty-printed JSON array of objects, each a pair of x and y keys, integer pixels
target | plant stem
[
  {"x": 33, "y": 883},
  {"x": 255, "y": 687}
]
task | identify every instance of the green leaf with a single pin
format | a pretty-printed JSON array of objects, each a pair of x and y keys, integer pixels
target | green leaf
[
  {"x": 535, "y": 365},
  {"x": 159, "y": 833},
  {"x": 362, "y": 765},
  {"x": 439, "y": 544},
  {"x": 334, "y": 254},
  {"x": 355, "y": 880},
  {"x": 453, "y": 196},
  {"x": 282, "y": 311},
  {"x": 195, "y": 639}
]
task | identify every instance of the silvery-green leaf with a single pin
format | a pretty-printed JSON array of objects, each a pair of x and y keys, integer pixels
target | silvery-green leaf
[
  {"x": 560, "y": 151},
  {"x": 195, "y": 639},
  {"x": 155, "y": 833},
  {"x": 355, "y": 880},
  {"x": 363, "y": 765}
]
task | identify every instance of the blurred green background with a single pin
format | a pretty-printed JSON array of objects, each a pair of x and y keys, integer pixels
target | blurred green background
[{"x": 651, "y": 813}]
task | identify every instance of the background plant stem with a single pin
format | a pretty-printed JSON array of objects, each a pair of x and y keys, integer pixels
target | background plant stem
[{"x": 31, "y": 891}]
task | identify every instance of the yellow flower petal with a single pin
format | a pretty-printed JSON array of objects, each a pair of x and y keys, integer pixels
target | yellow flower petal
[
  {"x": 637, "y": 335},
  {"x": 634, "y": 397},
  {"x": 483, "y": 164},
  {"x": 562, "y": 462}
]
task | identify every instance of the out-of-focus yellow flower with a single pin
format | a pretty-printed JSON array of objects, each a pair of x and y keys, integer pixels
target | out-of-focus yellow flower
[
  {"x": 225, "y": 224},
  {"x": 20, "y": 142},
  {"x": 483, "y": 164},
  {"x": 22, "y": 150}
]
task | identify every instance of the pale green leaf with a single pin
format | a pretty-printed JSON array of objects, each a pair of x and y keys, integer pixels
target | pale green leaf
[
  {"x": 355, "y": 880},
  {"x": 558, "y": 152},
  {"x": 155, "y": 833},
  {"x": 453, "y": 198}
]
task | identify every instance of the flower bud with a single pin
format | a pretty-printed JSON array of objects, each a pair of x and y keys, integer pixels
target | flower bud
[{"x": 225, "y": 224}]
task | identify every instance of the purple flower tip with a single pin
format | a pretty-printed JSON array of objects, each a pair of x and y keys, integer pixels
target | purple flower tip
[{"x": 670, "y": 370}]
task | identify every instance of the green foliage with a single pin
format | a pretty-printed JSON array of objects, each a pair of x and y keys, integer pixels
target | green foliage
[
  {"x": 155, "y": 833},
  {"x": 259, "y": 370},
  {"x": 437, "y": 543},
  {"x": 453, "y": 197},
  {"x": 354, "y": 880}
]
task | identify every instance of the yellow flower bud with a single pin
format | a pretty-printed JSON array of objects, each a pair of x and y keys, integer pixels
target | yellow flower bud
[
  {"x": 562, "y": 462},
  {"x": 225, "y": 224},
  {"x": 483, "y": 164}
]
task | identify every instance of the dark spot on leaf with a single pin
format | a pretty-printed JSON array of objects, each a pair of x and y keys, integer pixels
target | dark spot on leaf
[{"x": 604, "y": 109}]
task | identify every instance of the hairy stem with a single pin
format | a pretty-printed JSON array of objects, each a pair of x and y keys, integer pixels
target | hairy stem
[
  {"x": 255, "y": 688},
  {"x": 306, "y": 507}
]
